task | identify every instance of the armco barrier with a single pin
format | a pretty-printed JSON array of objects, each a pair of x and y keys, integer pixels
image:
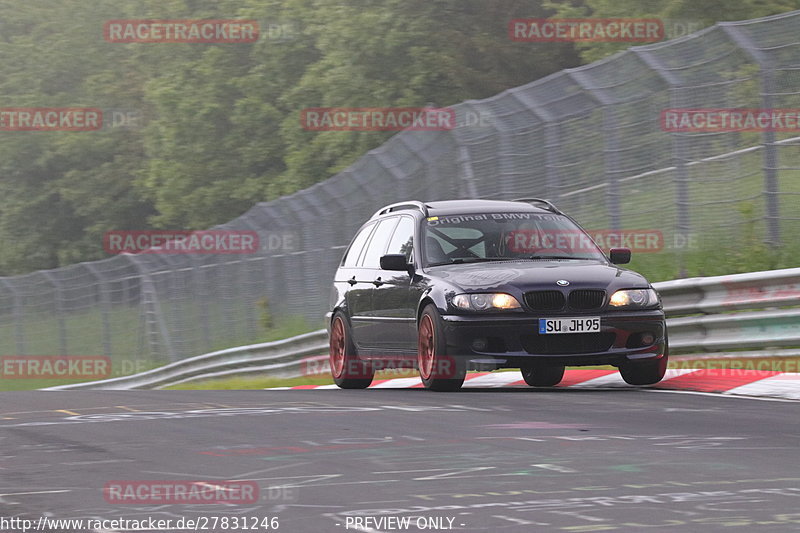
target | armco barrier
[
  {"x": 279, "y": 358},
  {"x": 754, "y": 290},
  {"x": 719, "y": 299}
]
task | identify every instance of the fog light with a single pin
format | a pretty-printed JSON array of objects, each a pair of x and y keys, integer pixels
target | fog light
[
  {"x": 480, "y": 344},
  {"x": 641, "y": 339}
]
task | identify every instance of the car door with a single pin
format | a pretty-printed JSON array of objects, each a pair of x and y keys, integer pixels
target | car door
[
  {"x": 356, "y": 284},
  {"x": 370, "y": 277},
  {"x": 392, "y": 304}
]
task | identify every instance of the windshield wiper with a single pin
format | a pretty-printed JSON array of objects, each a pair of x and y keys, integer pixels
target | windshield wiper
[
  {"x": 559, "y": 257},
  {"x": 460, "y": 260}
]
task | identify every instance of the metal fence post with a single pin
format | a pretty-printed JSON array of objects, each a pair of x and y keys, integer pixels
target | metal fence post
[
  {"x": 683, "y": 221},
  {"x": 19, "y": 326},
  {"x": 59, "y": 309},
  {"x": 155, "y": 325},
  {"x": 468, "y": 189},
  {"x": 105, "y": 305},
  {"x": 199, "y": 281},
  {"x": 612, "y": 145},
  {"x": 553, "y": 154},
  {"x": 771, "y": 184},
  {"x": 611, "y": 157},
  {"x": 768, "y": 91}
]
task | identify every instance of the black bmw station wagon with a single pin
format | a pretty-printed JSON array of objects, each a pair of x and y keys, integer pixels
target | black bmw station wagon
[{"x": 453, "y": 286}]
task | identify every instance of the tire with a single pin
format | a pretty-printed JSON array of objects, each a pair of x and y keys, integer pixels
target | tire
[
  {"x": 438, "y": 371},
  {"x": 542, "y": 376},
  {"x": 645, "y": 372},
  {"x": 348, "y": 371}
]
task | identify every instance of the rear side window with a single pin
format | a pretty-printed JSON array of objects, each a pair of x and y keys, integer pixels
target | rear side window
[
  {"x": 353, "y": 253},
  {"x": 403, "y": 238},
  {"x": 377, "y": 245}
]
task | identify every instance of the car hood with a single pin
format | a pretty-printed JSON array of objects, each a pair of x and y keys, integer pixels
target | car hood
[{"x": 505, "y": 276}]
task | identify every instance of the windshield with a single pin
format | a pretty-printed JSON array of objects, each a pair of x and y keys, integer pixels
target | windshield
[{"x": 504, "y": 236}]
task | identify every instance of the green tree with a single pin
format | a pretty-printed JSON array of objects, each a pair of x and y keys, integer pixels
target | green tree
[
  {"x": 688, "y": 12},
  {"x": 62, "y": 190},
  {"x": 402, "y": 53},
  {"x": 220, "y": 123}
]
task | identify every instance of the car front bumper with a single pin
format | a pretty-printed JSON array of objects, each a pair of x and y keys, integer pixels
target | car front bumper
[{"x": 502, "y": 340}]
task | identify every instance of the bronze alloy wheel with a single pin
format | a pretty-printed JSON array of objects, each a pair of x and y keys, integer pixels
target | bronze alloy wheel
[
  {"x": 438, "y": 370},
  {"x": 349, "y": 372}
]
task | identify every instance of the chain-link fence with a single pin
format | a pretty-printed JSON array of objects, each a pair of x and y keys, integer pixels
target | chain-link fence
[{"x": 590, "y": 139}]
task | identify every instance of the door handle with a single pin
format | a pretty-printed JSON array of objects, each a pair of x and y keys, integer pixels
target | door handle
[
  {"x": 377, "y": 282},
  {"x": 352, "y": 281}
]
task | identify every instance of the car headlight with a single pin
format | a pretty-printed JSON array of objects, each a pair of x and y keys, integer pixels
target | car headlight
[
  {"x": 634, "y": 298},
  {"x": 485, "y": 302}
]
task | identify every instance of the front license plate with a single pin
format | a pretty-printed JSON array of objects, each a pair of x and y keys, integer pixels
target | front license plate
[{"x": 569, "y": 325}]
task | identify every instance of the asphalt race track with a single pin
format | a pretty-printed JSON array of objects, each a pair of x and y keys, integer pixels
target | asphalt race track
[{"x": 508, "y": 460}]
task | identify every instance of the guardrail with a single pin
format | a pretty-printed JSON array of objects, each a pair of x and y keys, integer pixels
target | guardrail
[
  {"x": 754, "y": 290},
  {"x": 279, "y": 358},
  {"x": 721, "y": 299},
  {"x": 767, "y": 323}
]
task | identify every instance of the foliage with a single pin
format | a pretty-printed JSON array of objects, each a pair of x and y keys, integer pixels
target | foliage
[
  {"x": 677, "y": 15},
  {"x": 218, "y": 124}
]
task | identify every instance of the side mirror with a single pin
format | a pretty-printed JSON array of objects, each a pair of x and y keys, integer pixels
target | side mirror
[
  {"x": 620, "y": 256},
  {"x": 394, "y": 262}
]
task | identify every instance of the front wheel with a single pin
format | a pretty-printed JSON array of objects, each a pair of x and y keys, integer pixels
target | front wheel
[
  {"x": 439, "y": 371},
  {"x": 349, "y": 372},
  {"x": 644, "y": 372},
  {"x": 543, "y": 376}
]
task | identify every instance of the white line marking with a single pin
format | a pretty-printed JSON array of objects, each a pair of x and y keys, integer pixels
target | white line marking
[
  {"x": 36, "y": 492},
  {"x": 79, "y": 463},
  {"x": 398, "y": 383},
  {"x": 238, "y": 476},
  {"x": 718, "y": 395},
  {"x": 496, "y": 379},
  {"x": 771, "y": 387},
  {"x": 454, "y": 473},
  {"x": 607, "y": 381}
]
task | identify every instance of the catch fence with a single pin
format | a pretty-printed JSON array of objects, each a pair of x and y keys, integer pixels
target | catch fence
[{"x": 590, "y": 139}]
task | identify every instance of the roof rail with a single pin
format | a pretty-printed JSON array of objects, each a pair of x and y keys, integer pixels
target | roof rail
[
  {"x": 409, "y": 204},
  {"x": 545, "y": 204}
]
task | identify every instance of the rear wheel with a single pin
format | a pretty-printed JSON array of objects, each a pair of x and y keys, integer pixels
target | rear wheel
[
  {"x": 542, "y": 376},
  {"x": 349, "y": 372},
  {"x": 438, "y": 371},
  {"x": 644, "y": 372}
]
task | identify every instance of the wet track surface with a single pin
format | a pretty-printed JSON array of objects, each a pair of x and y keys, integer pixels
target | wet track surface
[{"x": 479, "y": 460}]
